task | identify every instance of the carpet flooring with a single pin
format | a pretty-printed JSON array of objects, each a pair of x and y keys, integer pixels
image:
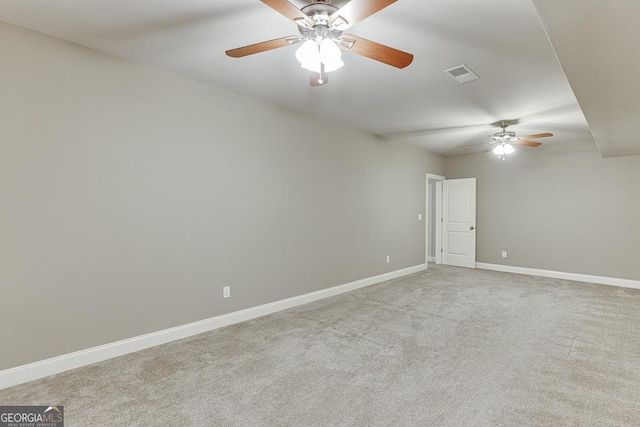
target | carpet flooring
[{"x": 444, "y": 347}]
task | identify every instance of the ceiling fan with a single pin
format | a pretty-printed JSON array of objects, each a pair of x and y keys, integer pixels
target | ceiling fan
[
  {"x": 505, "y": 139},
  {"x": 321, "y": 25}
]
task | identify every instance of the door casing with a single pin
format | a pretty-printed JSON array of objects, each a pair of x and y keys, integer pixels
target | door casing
[
  {"x": 427, "y": 216},
  {"x": 437, "y": 211}
]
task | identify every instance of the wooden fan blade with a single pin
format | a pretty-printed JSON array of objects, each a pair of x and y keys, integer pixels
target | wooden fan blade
[
  {"x": 538, "y": 135},
  {"x": 376, "y": 51},
  {"x": 262, "y": 47},
  {"x": 355, "y": 11},
  {"x": 286, "y": 9},
  {"x": 529, "y": 143}
]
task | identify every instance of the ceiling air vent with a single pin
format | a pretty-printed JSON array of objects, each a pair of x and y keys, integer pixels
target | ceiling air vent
[{"x": 462, "y": 74}]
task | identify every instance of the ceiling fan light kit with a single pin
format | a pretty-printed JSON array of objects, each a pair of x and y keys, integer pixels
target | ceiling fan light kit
[
  {"x": 503, "y": 148},
  {"x": 321, "y": 26},
  {"x": 505, "y": 140},
  {"x": 314, "y": 56}
]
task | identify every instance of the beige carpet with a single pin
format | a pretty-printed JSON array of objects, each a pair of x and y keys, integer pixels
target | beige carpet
[{"x": 446, "y": 347}]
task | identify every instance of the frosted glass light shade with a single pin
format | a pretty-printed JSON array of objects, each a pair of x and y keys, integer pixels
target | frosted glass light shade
[
  {"x": 333, "y": 65},
  {"x": 330, "y": 55},
  {"x": 309, "y": 56},
  {"x": 502, "y": 149},
  {"x": 312, "y": 66}
]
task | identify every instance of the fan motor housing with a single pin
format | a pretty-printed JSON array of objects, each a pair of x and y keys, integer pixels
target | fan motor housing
[
  {"x": 320, "y": 12},
  {"x": 319, "y": 9}
]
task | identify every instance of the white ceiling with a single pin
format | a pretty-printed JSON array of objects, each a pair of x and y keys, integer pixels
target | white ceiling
[
  {"x": 503, "y": 41},
  {"x": 597, "y": 44}
]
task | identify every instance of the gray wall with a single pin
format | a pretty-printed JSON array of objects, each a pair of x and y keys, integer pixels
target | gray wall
[
  {"x": 558, "y": 207},
  {"x": 130, "y": 196}
]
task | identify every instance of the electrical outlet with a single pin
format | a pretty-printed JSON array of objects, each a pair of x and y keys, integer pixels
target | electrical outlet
[
  {"x": 226, "y": 292},
  {"x": 419, "y": 217},
  {"x": 504, "y": 254},
  {"x": 388, "y": 259}
]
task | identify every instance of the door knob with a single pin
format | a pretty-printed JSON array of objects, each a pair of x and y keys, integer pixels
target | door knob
[{"x": 472, "y": 228}]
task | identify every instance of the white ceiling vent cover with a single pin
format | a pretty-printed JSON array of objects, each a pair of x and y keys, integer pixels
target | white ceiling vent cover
[{"x": 462, "y": 74}]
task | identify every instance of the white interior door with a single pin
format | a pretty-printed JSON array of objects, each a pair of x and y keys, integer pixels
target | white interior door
[{"x": 459, "y": 222}]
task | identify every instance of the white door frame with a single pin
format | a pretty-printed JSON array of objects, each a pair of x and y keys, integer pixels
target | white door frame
[
  {"x": 438, "y": 243},
  {"x": 427, "y": 231}
]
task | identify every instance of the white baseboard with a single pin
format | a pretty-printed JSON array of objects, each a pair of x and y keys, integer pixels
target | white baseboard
[
  {"x": 625, "y": 283},
  {"x": 55, "y": 365},
  {"x": 431, "y": 259}
]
